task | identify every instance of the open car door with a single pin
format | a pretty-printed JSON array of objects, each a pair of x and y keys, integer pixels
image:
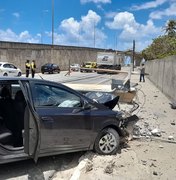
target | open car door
[{"x": 31, "y": 125}]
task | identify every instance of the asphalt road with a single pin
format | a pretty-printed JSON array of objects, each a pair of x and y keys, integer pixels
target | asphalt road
[
  {"x": 81, "y": 78},
  {"x": 47, "y": 166}
]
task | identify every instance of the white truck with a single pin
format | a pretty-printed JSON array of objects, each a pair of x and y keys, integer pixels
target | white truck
[{"x": 109, "y": 61}]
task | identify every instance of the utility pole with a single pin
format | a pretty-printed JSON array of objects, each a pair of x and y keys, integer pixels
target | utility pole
[
  {"x": 94, "y": 33},
  {"x": 52, "y": 22},
  {"x": 133, "y": 56}
]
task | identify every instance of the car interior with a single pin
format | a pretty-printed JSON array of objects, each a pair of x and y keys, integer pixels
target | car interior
[{"x": 12, "y": 109}]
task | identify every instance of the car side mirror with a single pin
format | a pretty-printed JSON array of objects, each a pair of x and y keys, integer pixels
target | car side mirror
[{"x": 86, "y": 106}]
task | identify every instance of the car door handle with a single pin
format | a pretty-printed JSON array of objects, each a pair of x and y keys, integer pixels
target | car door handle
[{"x": 47, "y": 119}]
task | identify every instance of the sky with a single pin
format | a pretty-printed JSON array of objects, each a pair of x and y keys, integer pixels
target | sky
[{"x": 109, "y": 24}]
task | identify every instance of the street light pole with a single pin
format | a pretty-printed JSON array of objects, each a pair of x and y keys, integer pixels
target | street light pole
[
  {"x": 94, "y": 33},
  {"x": 52, "y": 22},
  {"x": 133, "y": 53}
]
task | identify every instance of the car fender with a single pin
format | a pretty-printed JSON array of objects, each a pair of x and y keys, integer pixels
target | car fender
[{"x": 6, "y": 72}]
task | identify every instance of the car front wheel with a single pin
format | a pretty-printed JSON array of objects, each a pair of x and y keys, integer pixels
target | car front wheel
[
  {"x": 5, "y": 74},
  {"x": 19, "y": 74},
  {"x": 107, "y": 142}
]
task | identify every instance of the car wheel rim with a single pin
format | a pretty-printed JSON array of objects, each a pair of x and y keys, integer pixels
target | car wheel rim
[{"x": 107, "y": 143}]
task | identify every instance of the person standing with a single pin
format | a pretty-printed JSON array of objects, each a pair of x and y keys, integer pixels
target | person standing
[
  {"x": 142, "y": 73},
  {"x": 33, "y": 67},
  {"x": 27, "y": 68}
]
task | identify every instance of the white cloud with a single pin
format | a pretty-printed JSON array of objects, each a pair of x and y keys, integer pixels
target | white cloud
[
  {"x": 130, "y": 30},
  {"x": 70, "y": 26},
  {"x": 9, "y": 35},
  {"x": 121, "y": 20},
  {"x": 171, "y": 11},
  {"x": 16, "y": 14},
  {"x": 110, "y": 14},
  {"x": 96, "y": 1},
  {"x": 140, "y": 31},
  {"x": 148, "y": 5},
  {"x": 82, "y": 32}
]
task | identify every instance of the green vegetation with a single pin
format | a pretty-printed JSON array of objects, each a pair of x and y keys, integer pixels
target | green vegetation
[{"x": 163, "y": 46}]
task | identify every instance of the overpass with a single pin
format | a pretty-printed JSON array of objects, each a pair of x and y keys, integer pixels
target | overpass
[{"x": 18, "y": 53}]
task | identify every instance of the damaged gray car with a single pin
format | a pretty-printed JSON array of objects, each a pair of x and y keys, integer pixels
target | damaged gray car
[{"x": 41, "y": 118}]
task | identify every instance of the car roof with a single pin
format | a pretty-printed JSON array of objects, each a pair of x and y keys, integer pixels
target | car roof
[
  {"x": 49, "y": 64},
  {"x": 3, "y": 62}
]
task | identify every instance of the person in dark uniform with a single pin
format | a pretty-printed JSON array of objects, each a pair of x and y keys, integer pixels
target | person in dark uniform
[
  {"x": 142, "y": 73},
  {"x": 33, "y": 67},
  {"x": 27, "y": 68}
]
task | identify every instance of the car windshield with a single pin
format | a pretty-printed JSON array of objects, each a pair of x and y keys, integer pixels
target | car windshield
[{"x": 88, "y": 63}]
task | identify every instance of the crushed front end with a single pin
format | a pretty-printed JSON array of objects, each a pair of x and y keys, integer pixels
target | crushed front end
[{"x": 127, "y": 124}]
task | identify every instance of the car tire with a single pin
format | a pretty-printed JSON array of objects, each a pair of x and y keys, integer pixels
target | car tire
[
  {"x": 107, "y": 142},
  {"x": 19, "y": 74},
  {"x": 5, "y": 74}
]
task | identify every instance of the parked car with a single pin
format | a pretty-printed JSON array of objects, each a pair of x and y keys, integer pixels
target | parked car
[
  {"x": 88, "y": 67},
  {"x": 41, "y": 118},
  {"x": 75, "y": 67},
  {"x": 9, "y": 69},
  {"x": 50, "y": 68}
]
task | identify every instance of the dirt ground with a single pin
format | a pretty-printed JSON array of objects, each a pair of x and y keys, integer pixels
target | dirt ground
[{"x": 151, "y": 153}]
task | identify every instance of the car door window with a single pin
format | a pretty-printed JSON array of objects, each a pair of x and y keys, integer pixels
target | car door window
[
  {"x": 6, "y": 65},
  {"x": 12, "y": 66},
  {"x": 54, "y": 97}
]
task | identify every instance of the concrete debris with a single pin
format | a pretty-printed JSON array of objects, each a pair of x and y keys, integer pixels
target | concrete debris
[
  {"x": 145, "y": 131},
  {"x": 152, "y": 165},
  {"x": 155, "y": 173},
  {"x": 170, "y": 138},
  {"x": 109, "y": 168},
  {"x": 78, "y": 169},
  {"x": 144, "y": 162},
  {"x": 173, "y": 123},
  {"x": 89, "y": 166},
  {"x": 156, "y": 132},
  {"x": 173, "y": 105}
]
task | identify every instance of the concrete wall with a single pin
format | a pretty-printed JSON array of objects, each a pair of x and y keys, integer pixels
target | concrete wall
[
  {"x": 18, "y": 53},
  {"x": 163, "y": 74}
]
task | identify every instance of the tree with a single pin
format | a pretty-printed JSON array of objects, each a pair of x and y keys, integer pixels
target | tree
[
  {"x": 161, "y": 47},
  {"x": 170, "y": 28},
  {"x": 164, "y": 45}
]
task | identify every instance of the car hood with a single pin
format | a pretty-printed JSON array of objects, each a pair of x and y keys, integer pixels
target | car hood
[{"x": 107, "y": 99}]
